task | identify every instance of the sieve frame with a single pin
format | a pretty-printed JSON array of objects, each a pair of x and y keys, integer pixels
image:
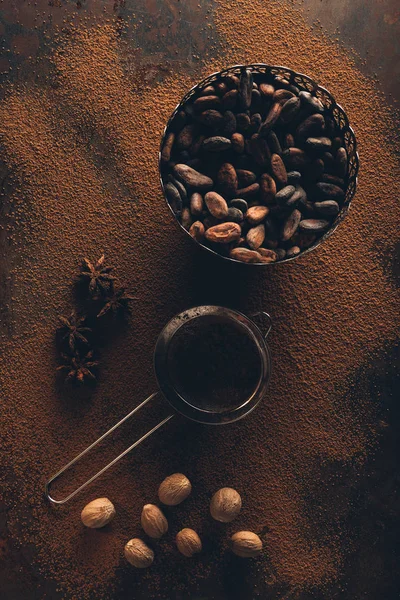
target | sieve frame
[
  {"x": 176, "y": 400},
  {"x": 304, "y": 83}
]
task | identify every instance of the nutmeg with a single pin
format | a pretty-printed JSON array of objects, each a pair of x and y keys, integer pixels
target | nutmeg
[
  {"x": 153, "y": 521},
  {"x": 225, "y": 505},
  {"x": 246, "y": 544},
  {"x": 138, "y": 554},
  {"x": 98, "y": 513},
  {"x": 188, "y": 542},
  {"x": 174, "y": 489}
]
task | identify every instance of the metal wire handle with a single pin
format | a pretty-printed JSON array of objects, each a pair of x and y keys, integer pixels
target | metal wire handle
[{"x": 110, "y": 464}]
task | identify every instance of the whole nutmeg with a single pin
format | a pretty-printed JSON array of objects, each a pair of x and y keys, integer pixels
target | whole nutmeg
[
  {"x": 174, "y": 489},
  {"x": 188, "y": 542},
  {"x": 138, "y": 554},
  {"x": 225, "y": 505},
  {"x": 98, "y": 513},
  {"x": 246, "y": 544},
  {"x": 153, "y": 521}
]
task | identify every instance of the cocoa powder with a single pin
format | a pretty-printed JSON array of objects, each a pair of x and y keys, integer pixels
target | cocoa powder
[{"x": 81, "y": 158}]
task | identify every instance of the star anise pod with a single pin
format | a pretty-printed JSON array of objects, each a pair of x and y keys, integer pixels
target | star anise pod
[
  {"x": 118, "y": 302},
  {"x": 99, "y": 276},
  {"x": 80, "y": 368},
  {"x": 74, "y": 330}
]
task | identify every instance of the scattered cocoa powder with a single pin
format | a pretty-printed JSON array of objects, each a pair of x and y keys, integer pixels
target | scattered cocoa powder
[{"x": 81, "y": 156}]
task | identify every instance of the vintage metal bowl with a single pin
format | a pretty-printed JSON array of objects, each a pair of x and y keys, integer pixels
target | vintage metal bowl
[{"x": 303, "y": 82}]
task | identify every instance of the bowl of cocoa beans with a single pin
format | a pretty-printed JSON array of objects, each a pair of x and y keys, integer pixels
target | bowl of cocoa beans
[{"x": 258, "y": 164}]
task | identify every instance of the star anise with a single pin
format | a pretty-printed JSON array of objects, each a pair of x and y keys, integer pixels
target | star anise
[
  {"x": 74, "y": 330},
  {"x": 80, "y": 368},
  {"x": 99, "y": 276},
  {"x": 118, "y": 302}
]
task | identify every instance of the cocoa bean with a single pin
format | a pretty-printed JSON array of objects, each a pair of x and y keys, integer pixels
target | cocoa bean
[
  {"x": 293, "y": 177},
  {"x": 329, "y": 191},
  {"x": 255, "y": 122},
  {"x": 216, "y": 204},
  {"x": 249, "y": 191},
  {"x": 266, "y": 90},
  {"x": 304, "y": 240},
  {"x": 318, "y": 144},
  {"x": 341, "y": 162},
  {"x": 221, "y": 87},
  {"x": 229, "y": 100},
  {"x": 238, "y": 143},
  {"x": 209, "y": 90},
  {"x": 284, "y": 194},
  {"x": 327, "y": 208},
  {"x": 186, "y": 218},
  {"x": 216, "y": 143},
  {"x": 290, "y": 110},
  {"x": 337, "y": 142},
  {"x": 295, "y": 158},
  {"x": 205, "y": 102},
  {"x": 255, "y": 99},
  {"x": 227, "y": 180},
  {"x": 311, "y": 103},
  {"x": 270, "y": 245},
  {"x": 290, "y": 225},
  {"x": 192, "y": 178},
  {"x": 278, "y": 169},
  {"x": 255, "y": 236},
  {"x": 225, "y": 233},
  {"x": 166, "y": 151},
  {"x": 197, "y": 230},
  {"x": 298, "y": 196},
  {"x": 312, "y": 126},
  {"x": 211, "y": 118},
  {"x": 228, "y": 127},
  {"x": 185, "y": 137},
  {"x": 314, "y": 225},
  {"x": 180, "y": 187},
  {"x": 232, "y": 81},
  {"x": 245, "y": 88},
  {"x": 235, "y": 215},
  {"x": 173, "y": 198},
  {"x": 259, "y": 150},
  {"x": 282, "y": 95},
  {"x": 268, "y": 255},
  {"x": 328, "y": 178},
  {"x": 280, "y": 253},
  {"x": 196, "y": 204},
  {"x": 242, "y": 122},
  {"x": 273, "y": 143},
  {"x": 245, "y": 177},
  {"x": 329, "y": 161},
  {"x": 271, "y": 119},
  {"x": 240, "y": 204},
  {"x": 289, "y": 141},
  {"x": 245, "y": 255},
  {"x": 257, "y": 214},
  {"x": 267, "y": 188},
  {"x": 293, "y": 251}
]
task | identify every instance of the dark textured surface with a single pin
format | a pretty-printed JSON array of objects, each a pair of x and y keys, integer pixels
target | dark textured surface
[{"x": 372, "y": 28}]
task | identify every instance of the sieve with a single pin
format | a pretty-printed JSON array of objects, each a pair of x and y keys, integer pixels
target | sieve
[{"x": 211, "y": 411}]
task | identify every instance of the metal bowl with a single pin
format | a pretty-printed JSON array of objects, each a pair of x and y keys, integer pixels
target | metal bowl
[{"x": 304, "y": 83}]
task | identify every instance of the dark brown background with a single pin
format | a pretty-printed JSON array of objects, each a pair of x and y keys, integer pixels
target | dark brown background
[{"x": 372, "y": 28}]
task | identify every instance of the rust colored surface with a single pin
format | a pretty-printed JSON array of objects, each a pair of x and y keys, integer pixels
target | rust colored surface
[{"x": 86, "y": 90}]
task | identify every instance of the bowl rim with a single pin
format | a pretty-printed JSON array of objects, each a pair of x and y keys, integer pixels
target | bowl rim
[{"x": 315, "y": 86}]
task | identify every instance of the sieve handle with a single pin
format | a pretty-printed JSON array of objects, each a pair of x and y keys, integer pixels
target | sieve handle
[
  {"x": 267, "y": 317},
  {"x": 110, "y": 464}
]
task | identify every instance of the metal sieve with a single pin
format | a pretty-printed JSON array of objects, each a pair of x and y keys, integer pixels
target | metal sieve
[{"x": 210, "y": 412}]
